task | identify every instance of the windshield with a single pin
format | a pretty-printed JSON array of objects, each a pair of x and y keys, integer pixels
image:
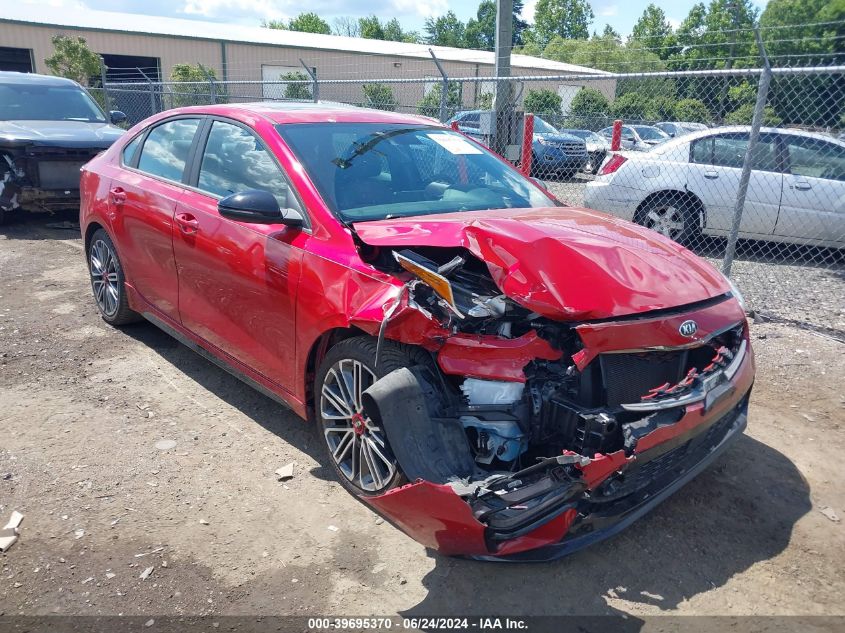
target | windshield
[
  {"x": 374, "y": 171},
  {"x": 541, "y": 127},
  {"x": 648, "y": 133},
  {"x": 31, "y": 102}
]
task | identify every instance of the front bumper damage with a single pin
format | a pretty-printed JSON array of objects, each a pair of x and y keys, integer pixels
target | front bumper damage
[{"x": 564, "y": 502}]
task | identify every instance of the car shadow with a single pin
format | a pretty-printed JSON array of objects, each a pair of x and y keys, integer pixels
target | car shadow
[
  {"x": 271, "y": 415},
  {"x": 60, "y": 225},
  {"x": 737, "y": 513}
]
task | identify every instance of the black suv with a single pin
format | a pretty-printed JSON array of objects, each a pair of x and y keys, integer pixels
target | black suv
[{"x": 49, "y": 128}]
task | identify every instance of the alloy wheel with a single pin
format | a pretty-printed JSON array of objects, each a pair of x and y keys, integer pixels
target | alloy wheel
[
  {"x": 667, "y": 220},
  {"x": 104, "y": 277},
  {"x": 357, "y": 446}
]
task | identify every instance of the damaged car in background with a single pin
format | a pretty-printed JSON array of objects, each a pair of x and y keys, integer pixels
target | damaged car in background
[
  {"x": 499, "y": 375},
  {"x": 49, "y": 128}
]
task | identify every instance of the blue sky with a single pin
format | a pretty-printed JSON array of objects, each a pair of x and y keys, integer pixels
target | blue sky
[{"x": 620, "y": 14}]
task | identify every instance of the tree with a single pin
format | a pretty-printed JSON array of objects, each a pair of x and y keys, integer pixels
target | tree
[
  {"x": 610, "y": 32},
  {"x": 481, "y": 30},
  {"x": 198, "y": 92},
  {"x": 379, "y": 96},
  {"x": 298, "y": 91},
  {"x": 446, "y": 30},
  {"x": 371, "y": 28},
  {"x": 73, "y": 59},
  {"x": 632, "y": 106},
  {"x": 589, "y": 102},
  {"x": 484, "y": 101},
  {"x": 568, "y": 19},
  {"x": 542, "y": 101},
  {"x": 692, "y": 110},
  {"x": 430, "y": 103},
  {"x": 653, "y": 32},
  {"x": 346, "y": 26},
  {"x": 306, "y": 22},
  {"x": 393, "y": 32},
  {"x": 745, "y": 113}
]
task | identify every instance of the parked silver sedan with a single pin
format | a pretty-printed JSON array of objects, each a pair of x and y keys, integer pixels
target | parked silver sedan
[
  {"x": 638, "y": 138},
  {"x": 689, "y": 186}
]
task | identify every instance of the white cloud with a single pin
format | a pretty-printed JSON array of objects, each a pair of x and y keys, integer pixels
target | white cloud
[
  {"x": 265, "y": 9},
  {"x": 609, "y": 11},
  {"x": 423, "y": 8},
  {"x": 528, "y": 11},
  {"x": 674, "y": 22}
]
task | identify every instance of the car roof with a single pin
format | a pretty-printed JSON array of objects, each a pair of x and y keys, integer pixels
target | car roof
[
  {"x": 309, "y": 112},
  {"x": 727, "y": 129},
  {"x": 11, "y": 77}
]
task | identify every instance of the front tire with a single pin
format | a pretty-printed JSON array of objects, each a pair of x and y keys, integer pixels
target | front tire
[
  {"x": 357, "y": 449},
  {"x": 107, "y": 281}
]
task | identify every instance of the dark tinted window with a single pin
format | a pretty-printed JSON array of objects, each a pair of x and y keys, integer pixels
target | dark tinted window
[
  {"x": 815, "y": 158},
  {"x": 702, "y": 151},
  {"x": 234, "y": 160},
  {"x": 34, "y": 102},
  {"x": 474, "y": 117},
  {"x": 166, "y": 149}
]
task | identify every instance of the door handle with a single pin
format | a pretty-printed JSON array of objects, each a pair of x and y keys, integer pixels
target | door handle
[
  {"x": 711, "y": 175},
  {"x": 801, "y": 185},
  {"x": 188, "y": 224},
  {"x": 117, "y": 195}
]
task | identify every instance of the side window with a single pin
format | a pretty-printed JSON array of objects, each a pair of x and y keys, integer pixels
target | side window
[
  {"x": 165, "y": 151},
  {"x": 702, "y": 151},
  {"x": 234, "y": 160},
  {"x": 815, "y": 158},
  {"x": 729, "y": 150},
  {"x": 130, "y": 149}
]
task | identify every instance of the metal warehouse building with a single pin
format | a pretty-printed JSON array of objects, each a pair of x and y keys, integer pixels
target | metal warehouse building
[{"x": 136, "y": 47}]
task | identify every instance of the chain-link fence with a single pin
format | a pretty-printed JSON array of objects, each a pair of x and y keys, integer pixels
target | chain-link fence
[{"x": 745, "y": 166}]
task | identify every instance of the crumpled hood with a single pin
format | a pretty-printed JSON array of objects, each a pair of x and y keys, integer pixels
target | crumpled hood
[
  {"x": 60, "y": 133},
  {"x": 562, "y": 262}
]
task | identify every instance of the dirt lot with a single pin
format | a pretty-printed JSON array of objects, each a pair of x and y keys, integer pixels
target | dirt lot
[{"x": 82, "y": 407}]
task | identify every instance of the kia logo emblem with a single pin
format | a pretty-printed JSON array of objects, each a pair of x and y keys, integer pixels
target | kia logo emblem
[{"x": 688, "y": 328}]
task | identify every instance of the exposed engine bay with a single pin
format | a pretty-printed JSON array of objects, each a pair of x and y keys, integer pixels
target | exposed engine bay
[{"x": 517, "y": 448}]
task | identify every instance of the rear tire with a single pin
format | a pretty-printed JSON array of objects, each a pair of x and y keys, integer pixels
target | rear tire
[
  {"x": 108, "y": 281},
  {"x": 357, "y": 449},
  {"x": 673, "y": 216}
]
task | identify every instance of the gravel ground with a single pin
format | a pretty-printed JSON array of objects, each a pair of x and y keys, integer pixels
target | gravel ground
[{"x": 84, "y": 410}]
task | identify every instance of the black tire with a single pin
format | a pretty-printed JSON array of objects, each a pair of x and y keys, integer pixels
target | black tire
[
  {"x": 672, "y": 215},
  {"x": 340, "y": 360},
  {"x": 108, "y": 281}
]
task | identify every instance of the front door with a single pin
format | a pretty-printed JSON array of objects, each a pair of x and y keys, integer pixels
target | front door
[{"x": 238, "y": 281}]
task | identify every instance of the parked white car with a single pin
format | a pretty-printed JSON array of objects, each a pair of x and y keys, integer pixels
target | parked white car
[
  {"x": 637, "y": 138},
  {"x": 689, "y": 186},
  {"x": 679, "y": 128}
]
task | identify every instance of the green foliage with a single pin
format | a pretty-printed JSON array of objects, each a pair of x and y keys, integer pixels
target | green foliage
[
  {"x": 567, "y": 19},
  {"x": 633, "y": 106},
  {"x": 480, "y": 31},
  {"x": 611, "y": 33},
  {"x": 306, "y": 22},
  {"x": 653, "y": 31},
  {"x": 393, "y": 32},
  {"x": 660, "y": 108},
  {"x": 199, "y": 93},
  {"x": 379, "y": 96},
  {"x": 745, "y": 113},
  {"x": 300, "y": 92},
  {"x": 430, "y": 103},
  {"x": 692, "y": 110},
  {"x": 73, "y": 59},
  {"x": 542, "y": 101},
  {"x": 589, "y": 102},
  {"x": 484, "y": 101},
  {"x": 370, "y": 28},
  {"x": 445, "y": 30}
]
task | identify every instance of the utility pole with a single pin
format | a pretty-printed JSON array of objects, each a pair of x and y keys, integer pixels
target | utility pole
[{"x": 502, "y": 100}]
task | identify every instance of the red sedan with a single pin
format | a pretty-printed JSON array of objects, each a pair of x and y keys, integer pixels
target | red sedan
[{"x": 498, "y": 374}]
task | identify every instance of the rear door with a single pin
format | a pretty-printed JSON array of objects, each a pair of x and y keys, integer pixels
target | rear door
[
  {"x": 713, "y": 175},
  {"x": 813, "y": 203},
  {"x": 238, "y": 281},
  {"x": 142, "y": 201}
]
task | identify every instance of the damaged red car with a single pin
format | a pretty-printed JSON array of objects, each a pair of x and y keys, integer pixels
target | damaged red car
[{"x": 498, "y": 374}]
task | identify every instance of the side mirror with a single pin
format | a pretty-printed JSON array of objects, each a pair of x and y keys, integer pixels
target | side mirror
[
  {"x": 117, "y": 117},
  {"x": 257, "y": 207}
]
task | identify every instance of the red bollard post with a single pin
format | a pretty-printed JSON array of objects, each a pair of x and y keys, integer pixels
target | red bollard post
[
  {"x": 455, "y": 126},
  {"x": 527, "y": 142},
  {"x": 616, "y": 138}
]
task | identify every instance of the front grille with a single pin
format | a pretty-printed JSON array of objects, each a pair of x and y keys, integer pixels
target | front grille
[
  {"x": 573, "y": 148},
  {"x": 59, "y": 174},
  {"x": 629, "y": 376}
]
